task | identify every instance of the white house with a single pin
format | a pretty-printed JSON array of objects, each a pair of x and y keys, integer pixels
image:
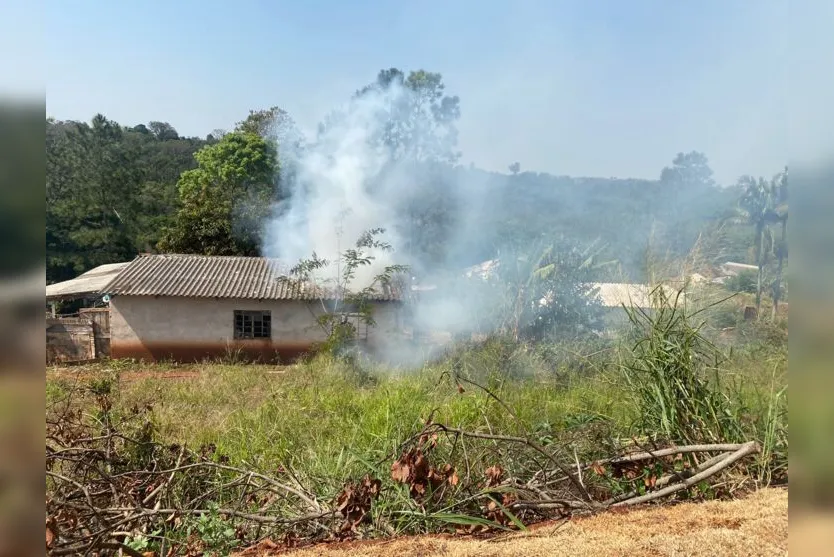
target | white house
[{"x": 189, "y": 307}]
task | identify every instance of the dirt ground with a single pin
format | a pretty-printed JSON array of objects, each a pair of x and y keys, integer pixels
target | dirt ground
[
  {"x": 82, "y": 373},
  {"x": 752, "y": 526}
]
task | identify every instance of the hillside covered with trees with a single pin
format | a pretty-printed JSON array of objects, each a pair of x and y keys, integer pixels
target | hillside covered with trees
[{"x": 116, "y": 189}]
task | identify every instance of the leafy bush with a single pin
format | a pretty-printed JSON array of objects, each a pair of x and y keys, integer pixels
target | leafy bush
[{"x": 745, "y": 281}]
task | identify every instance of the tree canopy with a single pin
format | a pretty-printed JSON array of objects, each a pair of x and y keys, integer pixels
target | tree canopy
[
  {"x": 115, "y": 190},
  {"x": 224, "y": 201}
]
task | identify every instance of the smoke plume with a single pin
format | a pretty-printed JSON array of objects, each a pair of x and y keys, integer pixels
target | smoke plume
[
  {"x": 349, "y": 181},
  {"x": 330, "y": 203}
]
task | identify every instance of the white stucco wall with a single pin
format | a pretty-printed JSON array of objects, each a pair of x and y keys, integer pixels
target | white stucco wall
[{"x": 191, "y": 328}]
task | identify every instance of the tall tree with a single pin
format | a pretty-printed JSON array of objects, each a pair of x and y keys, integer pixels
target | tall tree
[
  {"x": 689, "y": 170},
  {"x": 757, "y": 206},
  {"x": 225, "y": 200},
  {"x": 688, "y": 198},
  {"x": 91, "y": 187},
  {"x": 110, "y": 190},
  {"x": 419, "y": 119},
  {"x": 276, "y": 124},
  {"x": 779, "y": 192},
  {"x": 415, "y": 127},
  {"x": 163, "y": 131}
]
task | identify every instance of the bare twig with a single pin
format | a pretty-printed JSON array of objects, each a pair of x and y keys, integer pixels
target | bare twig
[
  {"x": 746, "y": 449},
  {"x": 525, "y": 441},
  {"x": 718, "y": 448},
  {"x": 665, "y": 480},
  {"x": 578, "y": 469}
]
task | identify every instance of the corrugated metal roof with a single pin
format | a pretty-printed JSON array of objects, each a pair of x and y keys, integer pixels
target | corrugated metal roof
[
  {"x": 205, "y": 276},
  {"x": 88, "y": 283}
]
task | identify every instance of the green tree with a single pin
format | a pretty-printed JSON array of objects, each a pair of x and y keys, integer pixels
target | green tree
[
  {"x": 275, "y": 124},
  {"x": 547, "y": 290},
  {"x": 779, "y": 189},
  {"x": 272, "y": 123},
  {"x": 689, "y": 170},
  {"x": 688, "y": 198},
  {"x": 110, "y": 190},
  {"x": 343, "y": 305},
  {"x": 419, "y": 119},
  {"x": 91, "y": 187},
  {"x": 757, "y": 207},
  {"x": 163, "y": 131},
  {"x": 225, "y": 200},
  {"x": 161, "y": 162},
  {"x": 416, "y": 128}
]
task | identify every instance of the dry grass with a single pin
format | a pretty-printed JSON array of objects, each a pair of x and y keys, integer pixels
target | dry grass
[{"x": 754, "y": 525}]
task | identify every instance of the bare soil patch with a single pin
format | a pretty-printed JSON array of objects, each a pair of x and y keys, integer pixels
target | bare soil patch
[
  {"x": 78, "y": 373},
  {"x": 188, "y": 371},
  {"x": 754, "y": 525}
]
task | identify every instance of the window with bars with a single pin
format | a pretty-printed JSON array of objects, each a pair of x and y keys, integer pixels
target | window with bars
[{"x": 253, "y": 324}]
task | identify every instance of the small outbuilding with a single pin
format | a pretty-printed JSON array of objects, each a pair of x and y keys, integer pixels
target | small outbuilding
[{"x": 191, "y": 307}]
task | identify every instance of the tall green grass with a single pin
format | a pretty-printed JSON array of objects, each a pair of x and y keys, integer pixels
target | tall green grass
[
  {"x": 675, "y": 374},
  {"x": 329, "y": 421},
  {"x": 688, "y": 391}
]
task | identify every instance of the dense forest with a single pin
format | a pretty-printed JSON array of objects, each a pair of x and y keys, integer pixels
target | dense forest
[{"x": 114, "y": 190}]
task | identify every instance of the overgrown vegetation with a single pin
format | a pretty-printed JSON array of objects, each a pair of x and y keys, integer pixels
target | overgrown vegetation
[
  {"x": 116, "y": 189},
  {"x": 546, "y": 290},
  {"x": 675, "y": 373},
  {"x": 343, "y": 305},
  {"x": 495, "y": 436}
]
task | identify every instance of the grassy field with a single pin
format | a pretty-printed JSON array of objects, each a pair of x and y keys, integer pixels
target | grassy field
[
  {"x": 325, "y": 423},
  {"x": 329, "y": 418}
]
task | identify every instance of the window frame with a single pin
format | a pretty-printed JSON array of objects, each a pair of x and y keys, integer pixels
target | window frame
[{"x": 246, "y": 323}]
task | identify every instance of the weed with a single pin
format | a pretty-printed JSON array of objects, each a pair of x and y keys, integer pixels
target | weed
[
  {"x": 674, "y": 372},
  {"x": 216, "y": 535}
]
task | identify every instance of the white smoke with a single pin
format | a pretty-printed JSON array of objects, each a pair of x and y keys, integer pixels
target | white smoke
[
  {"x": 349, "y": 181},
  {"x": 346, "y": 183},
  {"x": 330, "y": 203}
]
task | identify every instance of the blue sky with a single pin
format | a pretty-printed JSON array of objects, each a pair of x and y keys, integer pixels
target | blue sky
[{"x": 605, "y": 88}]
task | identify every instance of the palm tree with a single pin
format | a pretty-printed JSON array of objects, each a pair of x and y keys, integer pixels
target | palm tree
[
  {"x": 779, "y": 192},
  {"x": 756, "y": 205}
]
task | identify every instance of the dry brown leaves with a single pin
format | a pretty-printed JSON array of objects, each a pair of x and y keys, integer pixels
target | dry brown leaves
[
  {"x": 494, "y": 474},
  {"x": 354, "y": 502},
  {"x": 496, "y": 513},
  {"x": 413, "y": 468},
  {"x": 51, "y": 532}
]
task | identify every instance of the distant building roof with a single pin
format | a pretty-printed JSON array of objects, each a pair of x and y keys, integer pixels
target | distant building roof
[
  {"x": 732, "y": 268},
  {"x": 617, "y": 294},
  {"x": 204, "y": 276},
  {"x": 611, "y": 294},
  {"x": 87, "y": 284}
]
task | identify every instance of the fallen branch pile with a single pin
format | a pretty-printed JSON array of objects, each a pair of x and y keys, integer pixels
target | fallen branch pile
[{"x": 107, "y": 489}]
